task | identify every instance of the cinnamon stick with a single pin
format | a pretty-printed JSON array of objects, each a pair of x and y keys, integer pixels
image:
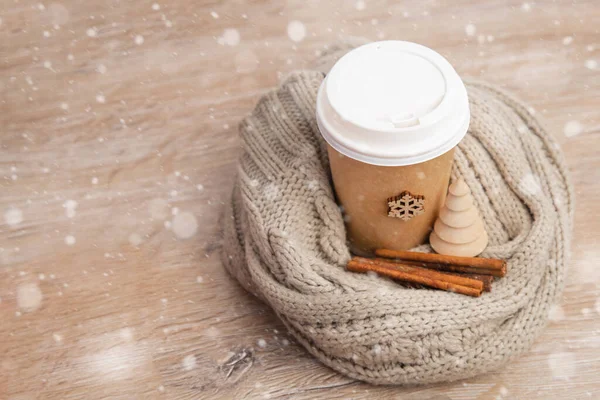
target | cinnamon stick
[
  {"x": 487, "y": 280},
  {"x": 474, "y": 265},
  {"x": 452, "y": 278},
  {"x": 423, "y": 276}
]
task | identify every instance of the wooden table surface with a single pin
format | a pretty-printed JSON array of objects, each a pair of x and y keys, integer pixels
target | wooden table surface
[{"x": 118, "y": 146}]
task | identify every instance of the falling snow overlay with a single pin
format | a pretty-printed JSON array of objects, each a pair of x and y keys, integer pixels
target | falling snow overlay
[
  {"x": 556, "y": 313},
  {"x": 530, "y": 185},
  {"x": 158, "y": 209},
  {"x": 13, "y": 216},
  {"x": 70, "y": 240},
  {"x": 470, "y": 29},
  {"x": 377, "y": 349},
  {"x": 135, "y": 239},
  {"x": 189, "y": 362},
  {"x": 230, "y": 37},
  {"x": 573, "y": 128},
  {"x": 29, "y": 297},
  {"x": 58, "y": 13},
  {"x": 119, "y": 146},
  {"x": 563, "y": 365},
  {"x": 92, "y": 32},
  {"x": 184, "y": 225},
  {"x": 296, "y": 31},
  {"x": 591, "y": 64},
  {"x": 70, "y": 207}
]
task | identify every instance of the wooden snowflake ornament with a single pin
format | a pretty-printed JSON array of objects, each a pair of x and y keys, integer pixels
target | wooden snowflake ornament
[{"x": 406, "y": 206}]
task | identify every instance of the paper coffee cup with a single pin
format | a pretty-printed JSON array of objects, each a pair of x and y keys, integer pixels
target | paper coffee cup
[{"x": 392, "y": 113}]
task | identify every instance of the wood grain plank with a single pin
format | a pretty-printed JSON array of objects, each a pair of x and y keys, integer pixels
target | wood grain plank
[{"x": 136, "y": 132}]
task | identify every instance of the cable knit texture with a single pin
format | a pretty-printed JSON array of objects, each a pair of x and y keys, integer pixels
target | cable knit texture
[{"x": 285, "y": 242}]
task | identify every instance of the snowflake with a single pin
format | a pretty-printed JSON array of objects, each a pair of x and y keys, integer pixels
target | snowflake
[{"x": 406, "y": 205}]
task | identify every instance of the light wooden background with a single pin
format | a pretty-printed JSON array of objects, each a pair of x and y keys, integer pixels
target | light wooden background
[{"x": 118, "y": 140}]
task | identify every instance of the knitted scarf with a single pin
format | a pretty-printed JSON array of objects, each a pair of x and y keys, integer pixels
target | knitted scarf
[{"x": 284, "y": 241}]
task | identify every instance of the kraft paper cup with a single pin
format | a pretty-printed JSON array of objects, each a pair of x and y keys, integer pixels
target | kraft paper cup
[{"x": 392, "y": 113}]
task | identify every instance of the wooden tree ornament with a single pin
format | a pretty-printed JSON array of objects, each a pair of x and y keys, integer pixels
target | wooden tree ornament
[{"x": 459, "y": 230}]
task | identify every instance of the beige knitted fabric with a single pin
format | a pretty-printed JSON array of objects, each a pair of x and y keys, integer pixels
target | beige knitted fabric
[{"x": 285, "y": 242}]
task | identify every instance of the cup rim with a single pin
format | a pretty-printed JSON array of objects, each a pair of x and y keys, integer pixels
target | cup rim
[{"x": 441, "y": 129}]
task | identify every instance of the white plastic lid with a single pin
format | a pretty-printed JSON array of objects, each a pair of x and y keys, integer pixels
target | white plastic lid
[{"x": 392, "y": 103}]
